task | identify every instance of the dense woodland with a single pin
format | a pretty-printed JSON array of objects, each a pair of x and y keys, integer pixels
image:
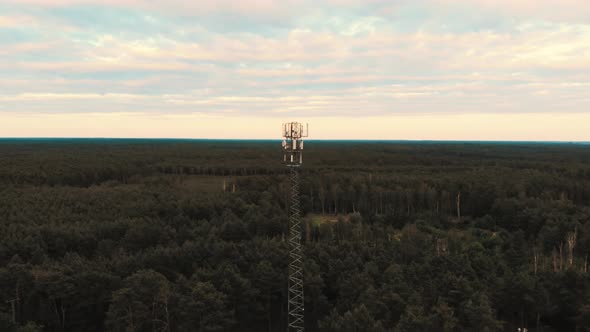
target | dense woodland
[{"x": 170, "y": 235}]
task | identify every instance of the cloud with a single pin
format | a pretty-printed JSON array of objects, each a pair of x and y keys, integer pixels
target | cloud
[
  {"x": 554, "y": 10},
  {"x": 566, "y": 9},
  {"x": 341, "y": 59},
  {"x": 16, "y": 21}
]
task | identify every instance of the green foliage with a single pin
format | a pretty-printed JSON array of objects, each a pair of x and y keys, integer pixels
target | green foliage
[
  {"x": 201, "y": 307},
  {"x": 356, "y": 320},
  {"x": 191, "y": 236},
  {"x": 414, "y": 319},
  {"x": 30, "y": 327},
  {"x": 142, "y": 303}
]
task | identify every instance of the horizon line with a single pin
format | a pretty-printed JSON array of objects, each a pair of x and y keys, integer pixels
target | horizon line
[{"x": 280, "y": 139}]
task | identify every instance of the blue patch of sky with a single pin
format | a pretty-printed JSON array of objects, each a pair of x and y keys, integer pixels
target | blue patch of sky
[
  {"x": 10, "y": 36},
  {"x": 119, "y": 75},
  {"x": 106, "y": 19},
  {"x": 455, "y": 19},
  {"x": 408, "y": 18},
  {"x": 52, "y": 54},
  {"x": 230, "y": 23},
  {"x": 471, "y": 21},
  {"x": 128, "y": 22},
  {"x": 93, "y": 21}
]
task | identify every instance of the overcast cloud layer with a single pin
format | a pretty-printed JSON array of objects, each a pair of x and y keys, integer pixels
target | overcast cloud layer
[{"x": 295, "y": 58}]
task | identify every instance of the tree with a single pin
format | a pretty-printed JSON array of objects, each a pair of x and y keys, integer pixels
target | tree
[
  {"x": 583, "y": 318},
  {"x": 202, "y": 308},
  {"x": 443, "y": 317},
  {"x": 358, "y": 319},
  {"x": 479, "y": 315},
  {"x": 142, "y": 304},
  {"x": 414, "y": 319}
]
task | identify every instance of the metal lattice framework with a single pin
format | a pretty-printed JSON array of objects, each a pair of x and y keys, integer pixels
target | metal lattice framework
[
  {"x": 296, "y": 307},
  {"x": 293, "y": 133}
]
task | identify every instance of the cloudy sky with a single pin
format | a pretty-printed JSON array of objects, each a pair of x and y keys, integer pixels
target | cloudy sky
[{"x": 375, "y": 69}]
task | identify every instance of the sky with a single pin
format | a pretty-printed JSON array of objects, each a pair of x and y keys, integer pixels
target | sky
[{"x": 373, "y": 69}]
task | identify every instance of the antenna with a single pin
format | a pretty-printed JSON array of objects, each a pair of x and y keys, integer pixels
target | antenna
[{"x": 293, "y": 133}]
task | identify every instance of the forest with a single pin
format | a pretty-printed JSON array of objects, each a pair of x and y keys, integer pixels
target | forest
[{"x": 190, "y": 235}]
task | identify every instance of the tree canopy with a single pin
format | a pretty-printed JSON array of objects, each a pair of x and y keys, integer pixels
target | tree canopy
[{"x": 149, "y": 235}]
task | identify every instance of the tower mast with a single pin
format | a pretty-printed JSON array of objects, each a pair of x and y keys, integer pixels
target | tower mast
[{"x": 293, "y": 133}]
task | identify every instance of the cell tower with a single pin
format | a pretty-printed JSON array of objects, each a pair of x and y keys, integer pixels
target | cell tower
[{"x": 293, "y": 133}]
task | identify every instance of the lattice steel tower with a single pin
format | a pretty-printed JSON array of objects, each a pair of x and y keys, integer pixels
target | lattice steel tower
[{"x": 293, "y": 133}]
